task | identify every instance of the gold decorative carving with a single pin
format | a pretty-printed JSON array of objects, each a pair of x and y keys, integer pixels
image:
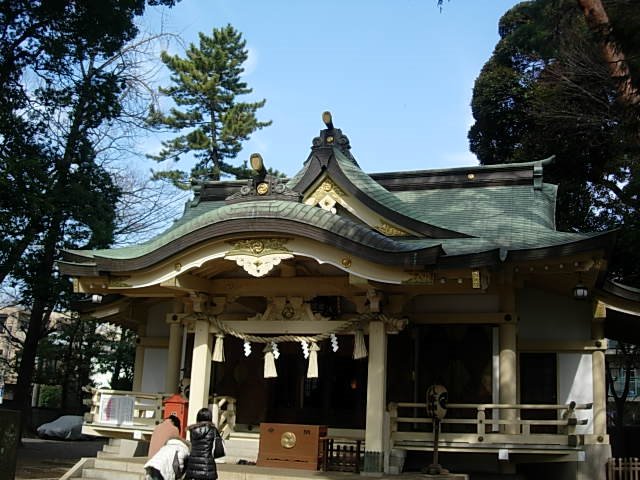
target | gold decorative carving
[
  {"x": 346, "y": 262},
  {"x": 288, "y": 309},
  {"x": 390, "y": 230},
  {"x": 262, "y": 188},
  {"x": 326, "y": 196},
  {"x": 420, "y": 278},
  {"x": 259, "y": 256}
]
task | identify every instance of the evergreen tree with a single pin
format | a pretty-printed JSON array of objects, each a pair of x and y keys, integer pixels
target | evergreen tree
[
  {"x": 548, "y": 90},
  {"x": 206, "y": 84},
  {"x": 65, "y": 79}
]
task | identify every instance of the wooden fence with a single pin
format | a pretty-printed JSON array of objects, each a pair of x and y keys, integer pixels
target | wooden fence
[
  {"x": 623, "y": 469},
  {"x": 474, "y": 424}
]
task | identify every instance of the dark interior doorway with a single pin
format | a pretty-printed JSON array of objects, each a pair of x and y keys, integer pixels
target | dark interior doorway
[{"x": 538, "y": 385}]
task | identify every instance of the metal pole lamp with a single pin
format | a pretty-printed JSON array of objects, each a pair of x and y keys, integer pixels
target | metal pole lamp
[{"x": 437, "y": 398}]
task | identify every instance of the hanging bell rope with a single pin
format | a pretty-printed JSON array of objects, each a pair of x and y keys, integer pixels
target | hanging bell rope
[
  {"x": 223, "y": 327},
  {"x": 343, "y": 327},
  {"x": 218, "y": 349},
  {"x": 312, "y": 371},
  {"x": 269, "y": 362},
  {"x": 359, "y": 347}
]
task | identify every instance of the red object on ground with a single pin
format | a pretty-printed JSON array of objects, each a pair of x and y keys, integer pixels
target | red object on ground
[{"x": 177, "y": 405}]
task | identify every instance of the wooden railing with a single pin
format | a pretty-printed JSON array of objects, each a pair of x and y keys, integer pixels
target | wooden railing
[
  {"x": 474, "y": 424},
  {"x": 623, "y": 469},
  {"x": 119, "y": 408},
  {"x": 143, "y": 411}
]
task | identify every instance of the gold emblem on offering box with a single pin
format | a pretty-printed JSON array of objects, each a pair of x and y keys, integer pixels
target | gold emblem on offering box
[{"x": 288, "y": 440}]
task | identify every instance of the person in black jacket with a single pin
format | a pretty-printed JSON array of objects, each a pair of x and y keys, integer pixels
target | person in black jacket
[{"x": 201, "y": 464}]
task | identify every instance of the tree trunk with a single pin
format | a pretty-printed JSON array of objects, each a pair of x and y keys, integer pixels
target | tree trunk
[
  {"x": 37, "y": 319},
  {"x": 598, "y": 20}
]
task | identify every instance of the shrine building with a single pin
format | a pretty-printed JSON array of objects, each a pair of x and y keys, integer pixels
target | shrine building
[{"x": 337, "y": 297}]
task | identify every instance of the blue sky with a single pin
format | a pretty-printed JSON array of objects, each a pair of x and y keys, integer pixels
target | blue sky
[{"x": 397, "y": 75}]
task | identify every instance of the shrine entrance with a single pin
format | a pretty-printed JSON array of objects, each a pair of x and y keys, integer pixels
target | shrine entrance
[{"x": 337, "y": 398}]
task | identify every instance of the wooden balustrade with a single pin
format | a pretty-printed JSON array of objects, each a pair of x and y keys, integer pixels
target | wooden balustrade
[
  {"x": 623, "y": 469},
  {"x": 474, "y": 424},
  {"x": 118, "y": 408},
  {"x": 129, "y": 411}
]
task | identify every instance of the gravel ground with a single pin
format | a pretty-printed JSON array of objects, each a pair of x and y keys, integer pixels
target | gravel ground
[{"x": 50, "y": 459}]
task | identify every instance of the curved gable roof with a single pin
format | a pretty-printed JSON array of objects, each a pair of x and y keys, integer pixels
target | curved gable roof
[
  {"x": 349, "y": 177},
  {"x": 473, "y": 216}
]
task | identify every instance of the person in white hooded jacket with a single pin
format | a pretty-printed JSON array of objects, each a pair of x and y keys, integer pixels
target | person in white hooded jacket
[{"x": 169, "y": 462}]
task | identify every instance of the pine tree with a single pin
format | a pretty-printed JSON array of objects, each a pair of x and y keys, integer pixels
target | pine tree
[{"x": 205, "y": 86}]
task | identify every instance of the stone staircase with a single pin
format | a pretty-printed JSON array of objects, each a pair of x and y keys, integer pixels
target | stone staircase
[
  {"x": 124, "y": 459},
  {"x": 115, "y": 468},
  {"x": 118, "y": 459},
  {"x": 242, "y": 447}
]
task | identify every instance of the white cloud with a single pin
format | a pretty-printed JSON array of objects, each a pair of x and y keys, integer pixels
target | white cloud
[{"x": 252, "y": 61}]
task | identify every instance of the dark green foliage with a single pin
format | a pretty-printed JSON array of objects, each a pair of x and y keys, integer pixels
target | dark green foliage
[
  {"x": 546, "y": 90},
  {"x": 62, "y": 81},
  {"x": 213, "y": 124},
  {"x": 78, "y": 348},
  {"x": 50, "y": 396}
]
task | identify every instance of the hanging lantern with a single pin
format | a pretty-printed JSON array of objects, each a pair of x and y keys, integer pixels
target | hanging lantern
[
  {"x": 312, "y": 371},
  {"x": 218, "y": 350}
]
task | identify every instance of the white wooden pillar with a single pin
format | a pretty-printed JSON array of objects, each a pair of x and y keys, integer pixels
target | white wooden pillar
[
  {"x": 138, "y": 365},
  {"x": 200, "y": 369},
  {"x": 599, "y": 374},
  {"x": 376, "y": 398},
  {"x": 508, "y": 373},
  {"x": 172, "y": 378}
]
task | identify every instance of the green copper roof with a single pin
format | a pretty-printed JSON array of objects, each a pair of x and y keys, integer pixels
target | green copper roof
[
  {"x": 373, "y": 189},
  {"x": 297, "y": 212},
  {"x": 494, "y": 216},
  {"x": 511, "y": 215}
]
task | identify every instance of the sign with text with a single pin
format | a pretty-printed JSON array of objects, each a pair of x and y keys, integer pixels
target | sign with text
[{"x": 116, "y": 409}]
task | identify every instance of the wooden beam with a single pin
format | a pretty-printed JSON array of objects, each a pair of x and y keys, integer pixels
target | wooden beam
[
  {"x": 459, "y": 318},
  {"x": 283, "y": 286},
  {"x": 154, "y": 342},
  {"x": 188, "y": 283},
  {"x": 562, "y": 346},
  {"x": 153, "y": 291},
  {"x": 257, "y": 327}
]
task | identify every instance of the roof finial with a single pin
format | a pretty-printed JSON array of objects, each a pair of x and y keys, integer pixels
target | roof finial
[
  {"x": 327, "y": 119},
  {"x": 257, "y": 164}
]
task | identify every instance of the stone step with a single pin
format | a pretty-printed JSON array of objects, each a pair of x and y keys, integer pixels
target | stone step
[
  {"x": 111, "y": 448},
  {"x": 103, "y": 454},
  {"x": 251, "y": 435},
  {"x": 241, "y": 448},
  {"x": 125, "y": 465},
  {"x": 103, "y": 474}
]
